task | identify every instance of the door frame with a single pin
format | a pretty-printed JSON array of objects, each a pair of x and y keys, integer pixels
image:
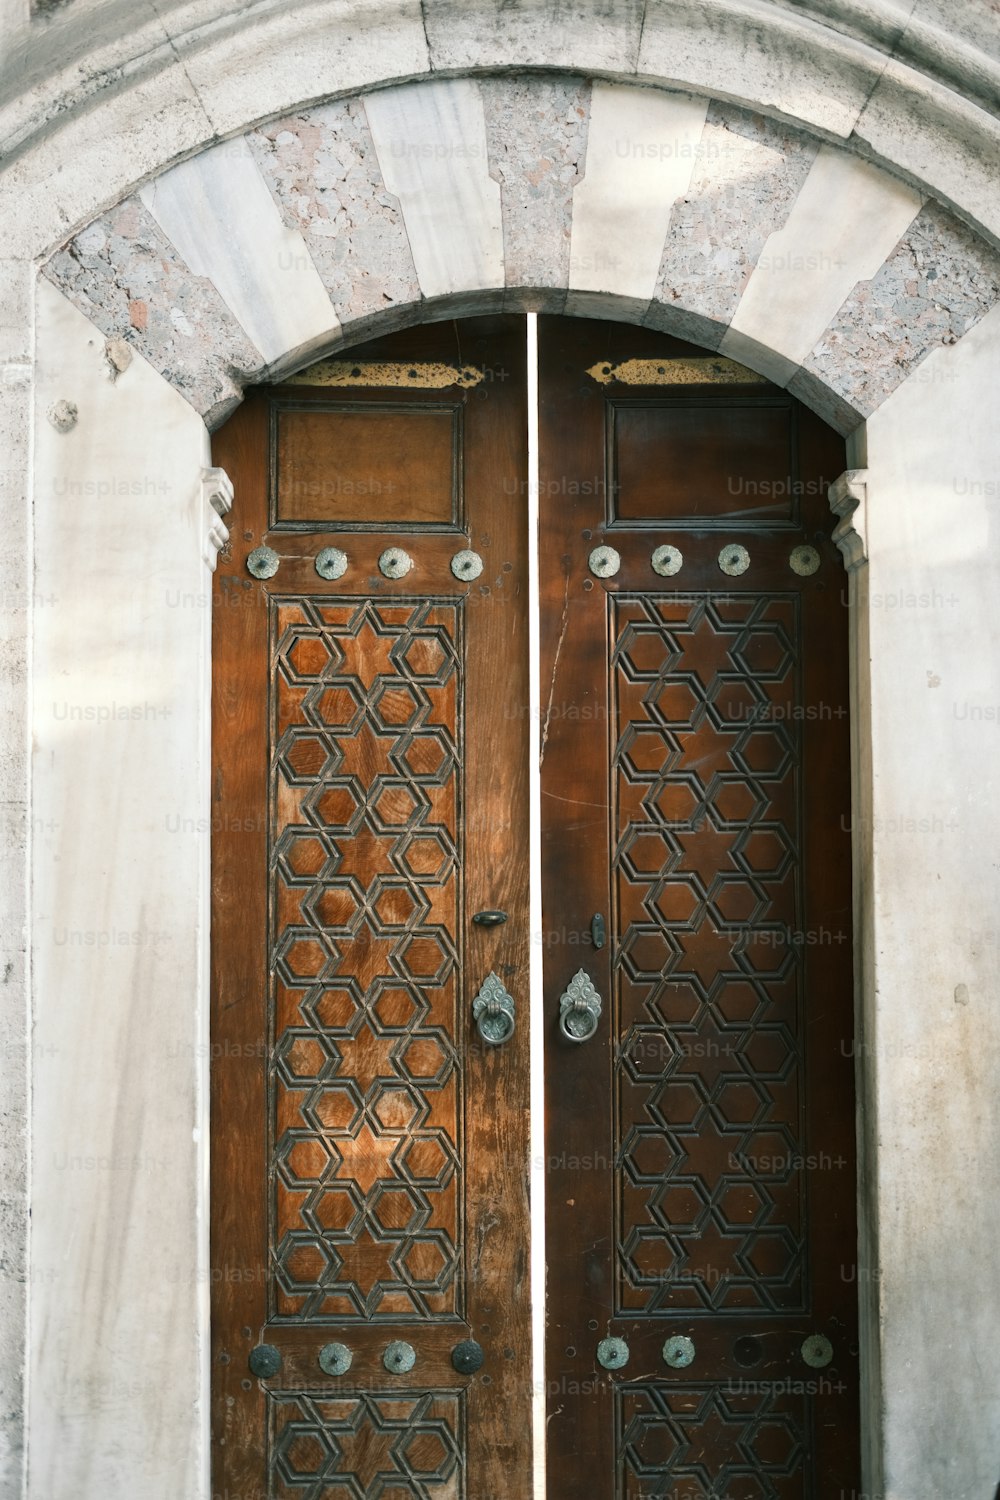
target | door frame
[{"x": 192, "y": 536}]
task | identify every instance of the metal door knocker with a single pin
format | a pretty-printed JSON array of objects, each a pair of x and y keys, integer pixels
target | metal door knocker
[
  {"x": 579, "y": 1008},
  {"x": 493, "y": 1009}
]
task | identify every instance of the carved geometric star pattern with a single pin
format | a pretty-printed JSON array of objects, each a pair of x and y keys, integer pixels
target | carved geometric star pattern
[
  {"x": 707, "y": 990},
  {"x": 365, "y": 1446},
  {"x": 702, "y": 1443},
  {"x": 365, "y": 801}
]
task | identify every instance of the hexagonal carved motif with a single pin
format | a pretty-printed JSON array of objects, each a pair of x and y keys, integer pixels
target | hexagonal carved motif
[
  {"x": 365, "y": 800},
  {"x": 705, "y": 798},
  {"x": 360, "y": 1446},
  {"x": 703, "y": 1440}
]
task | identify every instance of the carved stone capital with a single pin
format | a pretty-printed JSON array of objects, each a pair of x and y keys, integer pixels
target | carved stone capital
[
  {"x": 217, "y": 501},
  {"x": 848, "y": 497}
]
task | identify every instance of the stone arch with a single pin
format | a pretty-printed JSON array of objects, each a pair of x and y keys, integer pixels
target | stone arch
[
  {"x": 914, "y": 89},
  {"x": 348, "y": 219}
]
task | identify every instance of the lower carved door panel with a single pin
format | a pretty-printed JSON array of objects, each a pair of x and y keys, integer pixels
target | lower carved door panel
[
  {"x": 695, "y": 802},
  {"x": 371, "y": 1319},
  {"x": 371, "y": 1303}
]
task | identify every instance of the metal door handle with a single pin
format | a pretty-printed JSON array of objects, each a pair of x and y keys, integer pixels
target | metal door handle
[
  {"x": 579, "y": 1008},
  {"x": 493, "y": 1009}
]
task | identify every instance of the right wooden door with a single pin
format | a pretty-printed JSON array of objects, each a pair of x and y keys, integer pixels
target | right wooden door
[{"x": 700, "y": 1221}]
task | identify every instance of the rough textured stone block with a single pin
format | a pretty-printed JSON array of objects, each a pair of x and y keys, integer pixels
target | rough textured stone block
[
  {"x": 747, "y": 174},
  {"x": 124, "y": 273},
  {"x": 322, "y": 168},
  {"x": 536, "y": 130},
  {"x": 797, "y": 67},
  {"x": 937, "y": 283},
  {"x": 585, "y": 35}
]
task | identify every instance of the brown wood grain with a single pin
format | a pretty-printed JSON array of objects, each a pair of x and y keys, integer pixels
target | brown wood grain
[
  {"x": 284, "y": 1034},
  {"x": 354, "y": 463},
  {"x": 611, "y": 737},
  {"x": 718, "y": 849},
  {"x": 239, "y": 1167},
  {"x": 699, "y": 461}
]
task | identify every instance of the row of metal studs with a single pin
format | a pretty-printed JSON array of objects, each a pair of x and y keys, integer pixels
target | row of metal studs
[
  {"x": 679, "y": 1352},
  {"x": 264, "y": 562},
  {"x": 605, "y": 561},
  {"x": 336, "y": 1359}
]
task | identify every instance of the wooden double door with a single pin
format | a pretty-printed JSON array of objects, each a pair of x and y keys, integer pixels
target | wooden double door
[{"x": 371, "y": 1171}]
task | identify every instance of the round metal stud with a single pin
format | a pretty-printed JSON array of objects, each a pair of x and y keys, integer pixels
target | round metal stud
[
  {"x": 399, "y": 1357},
  {"x": 335, "y": 1359},
  {"x": 395, "y": 563},
  {"x": 331, "y": 563},
  {"x": 466, "y": 565},
  {"x": 817, "y": 1351},
  {"x": 804, "y": 561},
  {"x": 747, "y": 1351},
  {"x": 263, "y": 562},
  {"x": 604, "y": 562},
  {"x": 678, "y": 1351},
  {"x": 734, "y": 559},
  {"x": 667, "y": 561},
  {"x": 612, "y": 1354},
  {"x": 265, "y": 1361},
  {"x": 467, "y": 1357}
]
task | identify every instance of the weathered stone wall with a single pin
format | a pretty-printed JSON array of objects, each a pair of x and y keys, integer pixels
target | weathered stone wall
[
  {"x": 930, "y": 1043},
  {"x": 16, "y": 400},
  {"x": 118, "y": 1276}
]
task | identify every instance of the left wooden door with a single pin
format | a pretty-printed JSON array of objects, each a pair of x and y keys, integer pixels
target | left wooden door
[{"x": 369, "y": 1155}]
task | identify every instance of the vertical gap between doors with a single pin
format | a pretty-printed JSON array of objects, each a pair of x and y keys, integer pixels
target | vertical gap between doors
[{"x": 536, "y": 947}]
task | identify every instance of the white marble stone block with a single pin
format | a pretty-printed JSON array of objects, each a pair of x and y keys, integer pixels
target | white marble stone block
[
  {"x": 119, "y": 717},
  {"x": 933, "y": 521},
  {"x": 846, "y": 219},
  {"x": 641, "y": 152},
  {"x": 432, "y": 148},
  {"x": 217, "y": 210}
]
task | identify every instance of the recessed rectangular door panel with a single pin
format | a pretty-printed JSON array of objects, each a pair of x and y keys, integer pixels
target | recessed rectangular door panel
[
  {"x": 370, "y": 1296},
  {"x": 701, "y": 462},
  {"x": 361, "y": 465},
  {"x": 701, "y": 1237}
]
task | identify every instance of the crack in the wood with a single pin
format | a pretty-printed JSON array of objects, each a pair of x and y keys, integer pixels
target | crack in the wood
[
  {"x": 484, "y": 1228},
  {"x": 564, "y": 623}
]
